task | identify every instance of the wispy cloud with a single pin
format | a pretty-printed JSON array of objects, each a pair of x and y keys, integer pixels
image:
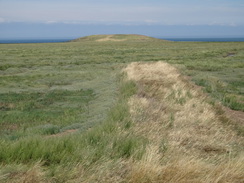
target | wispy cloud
[
  {"x": 166, "y": 12},
  {"x": 2, "y": 20}
]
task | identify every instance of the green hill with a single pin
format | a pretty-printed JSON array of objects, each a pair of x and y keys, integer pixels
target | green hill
[{"x": 116, "y": 38}]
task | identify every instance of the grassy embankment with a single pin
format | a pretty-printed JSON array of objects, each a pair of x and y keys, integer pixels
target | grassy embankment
[{"x": 51, "y": 94}]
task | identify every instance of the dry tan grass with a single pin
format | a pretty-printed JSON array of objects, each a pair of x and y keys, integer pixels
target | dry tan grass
[
  {"x": 109, "y": 38},
  {"x": 187, "y": 141},
  {"x": 33, "y": 174}
]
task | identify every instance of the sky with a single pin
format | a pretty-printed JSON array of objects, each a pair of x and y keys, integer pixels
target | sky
[{"x": 158, "y": 18}]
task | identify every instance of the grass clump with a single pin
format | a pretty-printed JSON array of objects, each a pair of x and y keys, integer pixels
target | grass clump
[
  {"x": 222, "y": 91},
  {"x": 48, "y": 129}
]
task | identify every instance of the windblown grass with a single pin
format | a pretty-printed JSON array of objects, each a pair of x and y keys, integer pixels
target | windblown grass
[
  {"x": 187, "y": 141},
  {"x": 66, "y": 115},
  {"x": 111, "y": 141}
]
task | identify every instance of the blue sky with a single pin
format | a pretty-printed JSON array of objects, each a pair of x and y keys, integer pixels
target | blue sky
[{"x": 121, "y": 16}]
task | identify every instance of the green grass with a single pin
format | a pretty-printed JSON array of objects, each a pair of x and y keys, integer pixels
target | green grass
[
  {"x": 44, "y": 113},
  {"x": 47, "y": 89},
  {"x": 111, "y": 140}
]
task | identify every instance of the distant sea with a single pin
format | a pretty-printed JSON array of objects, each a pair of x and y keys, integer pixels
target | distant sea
[
  {"x": 13, "y": 41},
  {"x": 205, "y": 39}
]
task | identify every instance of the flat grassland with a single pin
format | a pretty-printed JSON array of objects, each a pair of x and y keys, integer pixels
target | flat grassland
[{"x": 69, "y": 114}]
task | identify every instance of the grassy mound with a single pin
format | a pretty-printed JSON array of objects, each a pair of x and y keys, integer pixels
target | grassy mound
[{"x": 116, "y": 38}]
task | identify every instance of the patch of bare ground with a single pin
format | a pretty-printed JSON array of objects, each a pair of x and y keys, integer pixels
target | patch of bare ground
[
  {"x": 31, "y": 175},
  {"x": 10, "y": 127},
  {"x": 6, "y": 106},
  {"x": 187, "y": 139},
  {"x": 109, "y": 38},
  {"x": 237, "y": 116}
]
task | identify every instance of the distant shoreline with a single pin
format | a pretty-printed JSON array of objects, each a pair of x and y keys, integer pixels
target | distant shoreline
[
  {"x": 19, "y": 41},
  {"x": 205, "y": 39}
]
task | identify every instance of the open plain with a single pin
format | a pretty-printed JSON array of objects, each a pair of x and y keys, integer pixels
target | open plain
[{"x": 122, "y": 108}]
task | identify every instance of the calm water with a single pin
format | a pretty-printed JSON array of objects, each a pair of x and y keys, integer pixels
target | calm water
[
  {"x": 9, "y": 41},
  {"x": 206, "y": 39}
]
